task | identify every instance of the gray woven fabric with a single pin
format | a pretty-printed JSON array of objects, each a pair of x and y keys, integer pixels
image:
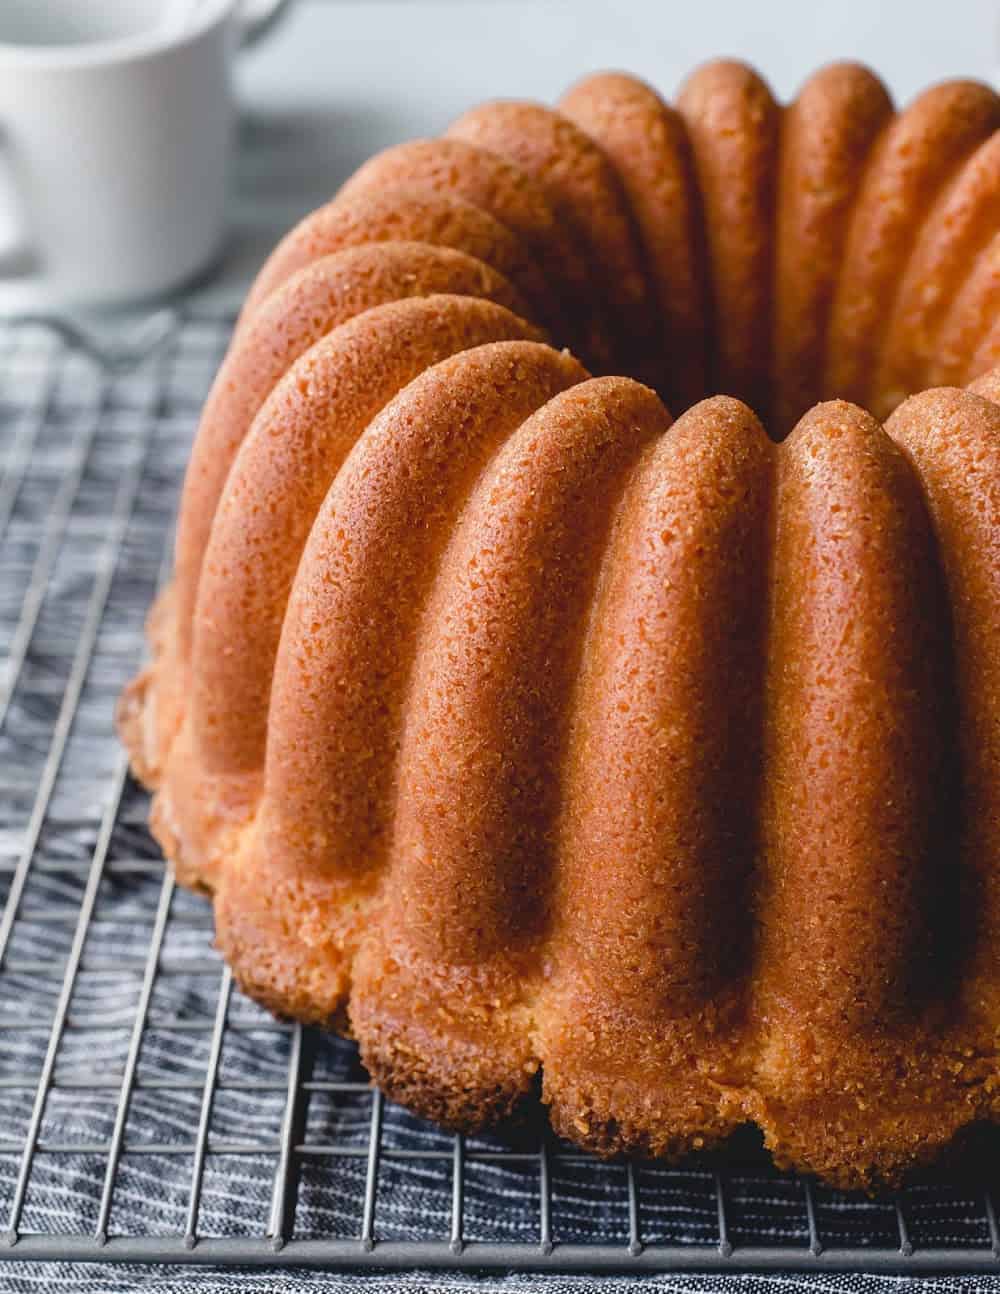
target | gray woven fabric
[
  {"x": 91, "y": 463},
  {"x": 111, "y": 1280}
]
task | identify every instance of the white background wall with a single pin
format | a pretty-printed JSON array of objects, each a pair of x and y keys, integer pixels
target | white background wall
[{"x": 342, "y": 78}]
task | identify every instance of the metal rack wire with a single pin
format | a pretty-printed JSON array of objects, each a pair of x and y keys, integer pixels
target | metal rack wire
[{"x": 147, "y": 1111}]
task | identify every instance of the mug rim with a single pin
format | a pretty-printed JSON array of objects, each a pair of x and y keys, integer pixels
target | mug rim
[{"x": 119, "y": 49}]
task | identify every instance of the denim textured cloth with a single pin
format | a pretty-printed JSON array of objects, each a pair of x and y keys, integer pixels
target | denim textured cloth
[
  {"x": 108, "y": 1280},
  {"x": 120, "y": 1033}
]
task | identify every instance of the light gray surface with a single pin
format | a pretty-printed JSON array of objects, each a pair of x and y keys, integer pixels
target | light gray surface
[{"x": 343, "y": 78}]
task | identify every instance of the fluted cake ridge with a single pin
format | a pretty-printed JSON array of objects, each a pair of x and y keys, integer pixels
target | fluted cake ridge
[{"x": 537, "y": 734}]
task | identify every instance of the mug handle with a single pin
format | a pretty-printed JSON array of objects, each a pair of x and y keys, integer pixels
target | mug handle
[
  {"x": 17, "y": 256},
  {"x": 257, "y": 18}
]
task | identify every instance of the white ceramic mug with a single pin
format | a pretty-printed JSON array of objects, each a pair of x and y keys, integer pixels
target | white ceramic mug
[{"x": 116, "y": 128}]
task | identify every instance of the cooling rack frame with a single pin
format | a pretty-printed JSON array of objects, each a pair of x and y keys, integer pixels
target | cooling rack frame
[{"x": 57, "y": 435}]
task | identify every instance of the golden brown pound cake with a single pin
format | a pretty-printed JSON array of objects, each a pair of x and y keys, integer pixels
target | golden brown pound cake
[{"x": 547, "y": 740}]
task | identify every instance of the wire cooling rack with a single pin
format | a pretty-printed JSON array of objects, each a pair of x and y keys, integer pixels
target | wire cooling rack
[{"x": 148, "y": 1112}]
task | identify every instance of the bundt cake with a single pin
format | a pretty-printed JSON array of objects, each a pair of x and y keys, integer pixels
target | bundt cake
[{"x": 542, "y": 741}]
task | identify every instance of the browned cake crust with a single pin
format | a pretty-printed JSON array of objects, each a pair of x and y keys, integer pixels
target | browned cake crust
[
  {"x": 827, "y": 135},
  {"x": 646, "y": 141},
  {"x": 650, "y": 948},
  {"x": 987, "y": 354},
  {"x": 952, "y": 438},
  {"x": 316, "y": 299},
  {"x": 454, "y": 167},
  {"x": 294, "y": 449},
  {"x": 988, "y": 386},
  {"x": 969, "y": 340},
  {"x": 734, "y": 126},
  {"x": 550, "y": 745},
  {"x": 953, "y": 238},
  {"x": 854, "y": 757},
  {"x": 588, "y": 198},
  {"x": 918, "y": 154},
  {"x": 427, "y": 453},
  {"x": 443, "y": 220},
  {"x": 483, "y": 743}
]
